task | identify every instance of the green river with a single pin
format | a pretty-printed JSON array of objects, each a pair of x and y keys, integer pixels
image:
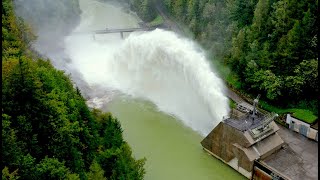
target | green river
[{"x": 173, "y": 151}]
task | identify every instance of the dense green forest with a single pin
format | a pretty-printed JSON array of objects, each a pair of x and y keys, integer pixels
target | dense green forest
[
  {"x": 48, "y": 132},
  {"x": 269, "y": 45}
]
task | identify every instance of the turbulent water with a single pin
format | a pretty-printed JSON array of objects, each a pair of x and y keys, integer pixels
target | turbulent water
[{"x": 159, "y": 66}]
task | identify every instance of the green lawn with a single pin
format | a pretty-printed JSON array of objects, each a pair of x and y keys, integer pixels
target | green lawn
[{"x": 302, "y": 114}]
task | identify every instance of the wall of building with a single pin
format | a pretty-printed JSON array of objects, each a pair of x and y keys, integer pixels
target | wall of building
[
  {"x": 220, "y": 142},
  {"x": 302, "y": 127}
]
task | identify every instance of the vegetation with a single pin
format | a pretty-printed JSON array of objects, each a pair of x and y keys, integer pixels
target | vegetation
[
  {"x": 48, "y": 132},
  {"x": 144, "y": 8},
  {"x": 157, "y": 21},
  {"x": 270, "y": 46},
  {"x": 227, "y": 74},
  {"x": 302, "y": 114},
  {"x": 232, "y": 104}
]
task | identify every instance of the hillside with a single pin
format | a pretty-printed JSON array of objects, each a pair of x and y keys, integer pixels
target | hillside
[
  {"x": 48, "y": 131},
  {"x": 266, "y": 47}
]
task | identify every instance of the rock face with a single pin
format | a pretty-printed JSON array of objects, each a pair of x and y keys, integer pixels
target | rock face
[{"x": 240, "y": 140}]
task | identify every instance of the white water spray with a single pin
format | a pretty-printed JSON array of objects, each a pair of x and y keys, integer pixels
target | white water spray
[{"x": 158, "y": 66}]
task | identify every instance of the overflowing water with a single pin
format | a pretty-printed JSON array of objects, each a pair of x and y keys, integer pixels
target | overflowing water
[
  {"x": 159, "y": 66},
  {"x": 153, "y": 82}
]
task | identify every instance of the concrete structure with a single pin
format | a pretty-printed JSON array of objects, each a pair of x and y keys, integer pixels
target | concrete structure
[
  {"x": 244, "y": 139},
  {"x": 302, "y": 127},
  {"x": 121, "y": 30},
  {"x": 298, "y": 159}
]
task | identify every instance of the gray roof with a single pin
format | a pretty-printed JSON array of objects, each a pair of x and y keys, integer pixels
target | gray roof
[{"x": 245, "y": 122}]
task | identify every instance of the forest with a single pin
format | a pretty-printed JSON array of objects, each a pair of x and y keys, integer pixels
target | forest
[
  {"x": 48, "y": 131},
  {"x": 267, "y": 47}
]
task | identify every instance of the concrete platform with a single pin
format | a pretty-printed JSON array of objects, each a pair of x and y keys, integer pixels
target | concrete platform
[{"x": 299, "y": 157}]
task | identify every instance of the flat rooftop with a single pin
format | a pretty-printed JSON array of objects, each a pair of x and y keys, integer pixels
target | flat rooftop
[
  {"x": 244, "y": 122},
  {"x": 299, "y": 157}
]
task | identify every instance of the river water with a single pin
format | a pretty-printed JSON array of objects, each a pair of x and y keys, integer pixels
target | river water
[
  {"x": 173, "y": 151},
  {"x": 160, "y": 87}
]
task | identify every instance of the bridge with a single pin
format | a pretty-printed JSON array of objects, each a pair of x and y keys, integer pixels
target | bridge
[{"x": 119, "y": 30}]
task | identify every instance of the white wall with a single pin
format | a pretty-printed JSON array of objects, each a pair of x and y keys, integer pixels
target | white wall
[{"x": 311, "y": 133}]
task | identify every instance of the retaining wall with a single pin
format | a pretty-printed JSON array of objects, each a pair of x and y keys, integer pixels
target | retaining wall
[{"x": 301, "y": 127}]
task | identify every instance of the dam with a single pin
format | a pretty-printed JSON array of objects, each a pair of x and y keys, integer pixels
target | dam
[{"x": 248, "y": 141}]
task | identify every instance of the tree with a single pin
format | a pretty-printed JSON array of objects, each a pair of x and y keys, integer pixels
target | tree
[
  {"x": 126, "y": 167},
  {"x": 119, "y": 164},
  {"x": 308, "y": 72},
  {"x": 293, "y": 85},
  {"x": 11, "y": 148},
  {"x": 242, "y": 12},
  {"x": 96, "y": 173},
  {"x": 179, "y": 8},
  {"x": 147, "y": 10},
  {"x": 51, "y": 168},
  {"x": 260, "y": 19},
  {"x": 6, "y": 175},
  {"x": 267, "y": 82}
]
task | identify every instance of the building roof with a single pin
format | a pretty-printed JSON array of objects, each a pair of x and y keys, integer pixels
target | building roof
[{"x": 245, "y": 122}]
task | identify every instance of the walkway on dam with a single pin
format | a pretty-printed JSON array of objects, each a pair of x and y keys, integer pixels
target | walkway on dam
[{"x": 107, "y": 31}]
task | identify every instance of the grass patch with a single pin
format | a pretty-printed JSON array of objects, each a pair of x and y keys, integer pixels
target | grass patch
[
  {"x": 305, "y": 115},
  {"x": 302, "y": 114},
  {"x": 232, "y": 104},
  {"x": 157, "y": 21}
]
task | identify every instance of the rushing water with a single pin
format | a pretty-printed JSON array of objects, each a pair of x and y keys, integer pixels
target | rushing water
[
  {"x": 158, "y": 84},
  {"x": 159, "y": 66}
]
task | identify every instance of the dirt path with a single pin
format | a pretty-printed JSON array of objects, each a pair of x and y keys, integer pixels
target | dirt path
[{"x": 234, "y": 96}]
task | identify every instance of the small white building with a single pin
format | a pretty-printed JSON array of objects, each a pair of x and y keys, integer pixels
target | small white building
[{"x": 302, "y": 127}]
